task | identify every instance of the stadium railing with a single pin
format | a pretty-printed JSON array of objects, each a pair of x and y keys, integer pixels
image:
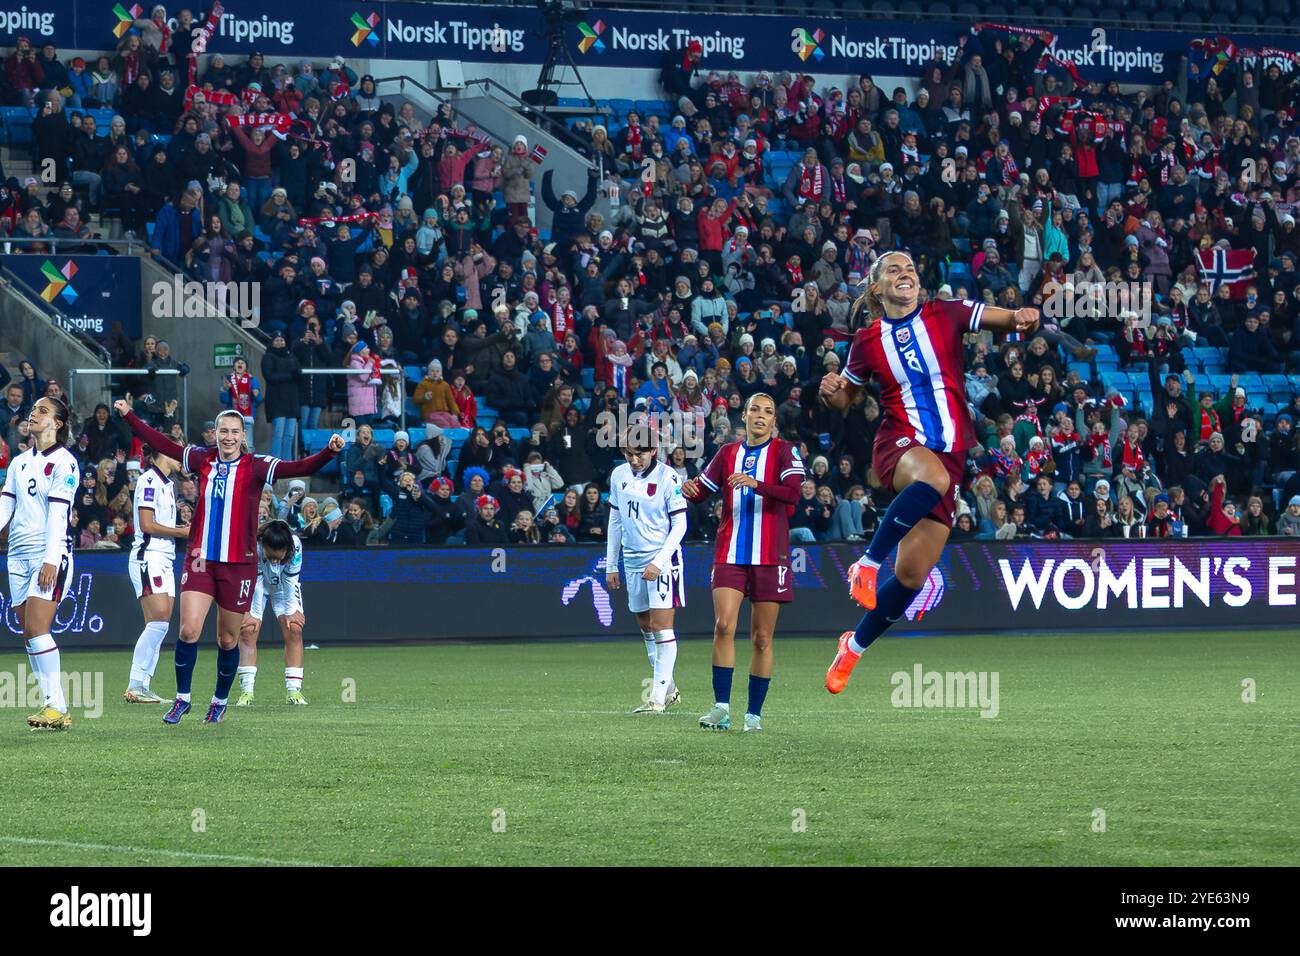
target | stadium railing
[{"x": 349, "y": 427}]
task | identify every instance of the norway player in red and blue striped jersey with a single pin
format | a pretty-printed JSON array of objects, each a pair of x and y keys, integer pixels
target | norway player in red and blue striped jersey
[
  {"x": 221, "y": 561},
  {"x": 915, "y": 354},
  {"x": 758, "y": 478}
]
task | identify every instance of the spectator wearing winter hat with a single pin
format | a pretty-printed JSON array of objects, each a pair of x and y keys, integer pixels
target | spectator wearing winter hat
[
  {"x": 362, "y": 395},
  {"x": 517, "y": 170},
  {"x": 434, "y": 398}
]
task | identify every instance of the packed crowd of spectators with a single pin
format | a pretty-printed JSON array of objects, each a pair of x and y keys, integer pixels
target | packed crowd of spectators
[{"x": 722, "y": 275}]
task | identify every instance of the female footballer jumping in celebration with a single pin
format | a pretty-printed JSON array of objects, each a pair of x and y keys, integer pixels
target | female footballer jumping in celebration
[
  {"x": 221, "y": 562},
  {"x": 915, "y": 353},
  {"x": 38, "y": 491},
  {"x": 761, "y": 475}
]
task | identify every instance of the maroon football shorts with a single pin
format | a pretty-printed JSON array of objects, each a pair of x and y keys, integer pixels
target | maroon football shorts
[
  {"x": 231, "y": 585},
  {"x": 886, "y": 455},
  {"x": 758, "y": 582}
]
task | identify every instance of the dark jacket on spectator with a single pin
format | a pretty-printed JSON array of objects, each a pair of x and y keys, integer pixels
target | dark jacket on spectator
[{"x": 281, "y": 374}]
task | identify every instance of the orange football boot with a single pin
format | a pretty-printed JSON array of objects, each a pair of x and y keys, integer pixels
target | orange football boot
[
  {"x": 837, "y": 675},
  {"x": 862, "y": 584}
]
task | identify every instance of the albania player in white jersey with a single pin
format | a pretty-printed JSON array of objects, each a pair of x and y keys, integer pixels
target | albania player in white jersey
[
  {"x": 37, "y": 497},
  {"x": 279, "y": 566},
  {"x": 153, "y": 553},
  {"x": 647, "y": 522}
]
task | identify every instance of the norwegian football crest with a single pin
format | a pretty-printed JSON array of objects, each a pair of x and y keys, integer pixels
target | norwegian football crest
[
  {"x": 750, "y": 461},
  {"x": 904, "y": 335}
]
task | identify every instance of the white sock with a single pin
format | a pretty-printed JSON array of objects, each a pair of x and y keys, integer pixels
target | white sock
[
  {"x": 43, "y": 654},
  {"x": 247, "y": 676},
  {"x": 855, "y": 647},
  {"x": 293, "y": 679},
  {"x": 649, "y": 638},
  {"x": 147, "y": 648},
  {"x": 665, "y": 658},
  {"x": 866, "y": 559},
  {"x": 184, "y": 697}
]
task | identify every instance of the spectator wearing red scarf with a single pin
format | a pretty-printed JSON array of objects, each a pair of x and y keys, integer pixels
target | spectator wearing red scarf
[{"x": 808, "y": 181}]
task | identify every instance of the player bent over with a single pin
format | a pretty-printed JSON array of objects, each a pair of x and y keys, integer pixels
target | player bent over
[
  {"x": 150, "y": 567},
  {"x": 279, "y": 566},
  {"x": 37, "y": 496},
  {"x": 647, "y": 522}
]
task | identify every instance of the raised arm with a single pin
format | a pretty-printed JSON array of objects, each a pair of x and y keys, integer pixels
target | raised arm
[
  {"x": 1009, "y": 320},
  {"x": 303, "y": 467},
  {"x": 149, "y": 435}
]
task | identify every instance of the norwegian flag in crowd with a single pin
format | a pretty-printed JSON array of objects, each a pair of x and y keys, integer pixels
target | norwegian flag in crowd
[
  {"x": 538, "y": 154},
  {"x": 1235, "y": 267}
]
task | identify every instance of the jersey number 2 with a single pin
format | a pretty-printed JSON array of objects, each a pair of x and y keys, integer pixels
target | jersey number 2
[{"x": 31, "y": 487}]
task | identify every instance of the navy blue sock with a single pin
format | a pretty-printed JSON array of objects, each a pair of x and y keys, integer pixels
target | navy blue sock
[
  {"x": 912, "y": 504},
  {"x": 227, "y": 667},
  {"x": 757, "y": 694},
  {"x": 892, "y": 600},
  {"x": 186, "y": 655},
  {"x": 722, "y": 684}
]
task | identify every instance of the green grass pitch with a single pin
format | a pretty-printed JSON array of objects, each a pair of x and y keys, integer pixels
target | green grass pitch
[{"x": 523, "y": 754}]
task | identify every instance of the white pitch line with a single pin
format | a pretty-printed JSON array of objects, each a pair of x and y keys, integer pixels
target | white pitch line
[{"x": 149, "y": 851}]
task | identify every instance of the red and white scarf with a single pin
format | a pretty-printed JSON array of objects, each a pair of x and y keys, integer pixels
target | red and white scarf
[
  {"x": 278, "y": 123},
  {"x": 839, "y": 190},
  {"x": 634, "y": 141},
  {"x": 810, "y": 181},
  {"x": 130, "y": 68},
  {"x": 350, "y": 217},
  {"x": 1045, "y": 103},
  {"x": 1100, "y": 445},
  {"x": 796, "y": 273},
  {"x": 199, "y": 44},
  {"x": 450, "y": 132},
  {"x": 241, "y": 394},
  {"x": 215, "y": 97},
  {"x": 1132, "y": 456},
  {"x": 561, "y": 320}
]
